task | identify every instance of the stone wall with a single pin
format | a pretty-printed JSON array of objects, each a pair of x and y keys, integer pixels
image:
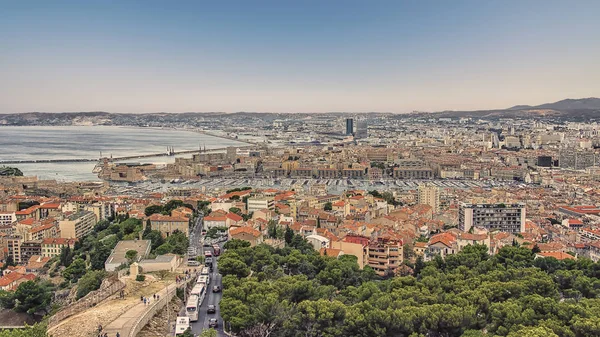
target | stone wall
[{"x": 109, "y": 287}]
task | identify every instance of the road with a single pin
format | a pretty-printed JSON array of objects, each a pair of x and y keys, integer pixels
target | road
[
  {"x": 215, "y": 279},
  {"x": 211, "y": 298}
]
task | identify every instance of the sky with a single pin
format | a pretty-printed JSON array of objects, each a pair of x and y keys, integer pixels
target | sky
[{"x": 295, "y": 56}]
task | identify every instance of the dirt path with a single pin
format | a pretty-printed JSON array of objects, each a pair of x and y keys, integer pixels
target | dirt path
[{"x": 86, "y": 323}]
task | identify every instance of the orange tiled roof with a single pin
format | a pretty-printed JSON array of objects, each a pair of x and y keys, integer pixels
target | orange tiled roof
[
  {"x": 247, "y": 230},
  {"x": 445, "y": 238},
  {"x": 558, "y": 255}
]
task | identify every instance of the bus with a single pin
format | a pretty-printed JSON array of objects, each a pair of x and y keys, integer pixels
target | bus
[
  {"x": 192, "y": 262},
  {"x": 217, "y": 250},
  {"x": 203, "y": 279},
  {"x": 199, "y": 291},
  {"x": 191, "y": 308},
  {"x": 183, "y": 323}
]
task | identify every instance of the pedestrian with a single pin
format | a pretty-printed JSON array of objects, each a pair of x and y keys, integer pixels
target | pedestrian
[
  {"x": 154, "y": 296},
  {"x": 144, "y": 301},
  {"x": 141, "y": 298},
  {"x": 118, "y": 334}
]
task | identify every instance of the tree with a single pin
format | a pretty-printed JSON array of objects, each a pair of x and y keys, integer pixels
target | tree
[
  {"x": 289, "y": 235},
  {"x": 10, "y": 261},
  {"x": 232, "y": 266},
  {"x": 179, "y": 242},
  {"x": 163, "y": 249},
  {"x": 89, "y": 282},
  {"x": 131, "y": 255},
  {"x": 75, "y": 270},
  {"x": 236, "y": 244},
  {"x": 153, "y": 210},
  {"x": 66, "y": 257},
  {"x": 99, "y": 256},
  {"x": 32, "y": 297},
  {"x": 272, "y": 229},
  {"x": 36, "y": 330},
  {"x": 101, "y": 225},
  {"x": 156, "y": 239},
  {"x": 536, "y": 249},
  {"x": 188, "y": 333},
  {"x": 209, "y": 333},
  {"x": 328, "y": 206},
  {"x": 529, "y": 331},
  {"x": 235, "y": 210}
]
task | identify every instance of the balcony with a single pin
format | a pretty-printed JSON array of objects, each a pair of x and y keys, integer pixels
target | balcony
[{"x": 377, "y": 260}]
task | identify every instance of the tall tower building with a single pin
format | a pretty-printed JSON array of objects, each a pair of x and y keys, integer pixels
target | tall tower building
[
  {"x": 349, "y": 126},
  {"x": 430, "y": 195}
]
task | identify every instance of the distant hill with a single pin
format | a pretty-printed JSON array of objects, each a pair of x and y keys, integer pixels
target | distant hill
[
  {"x": 572, "y": 104},
  {"x": 580, "y": 109}
]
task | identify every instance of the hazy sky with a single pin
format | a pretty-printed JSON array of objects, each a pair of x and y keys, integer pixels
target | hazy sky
[{"x": 295, "y": 56}]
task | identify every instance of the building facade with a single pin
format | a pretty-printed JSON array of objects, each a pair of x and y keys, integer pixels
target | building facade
[
  {"x": 493, "y": 217},
  {"x": 429, "y": 195},
  {"x": 78, "y": 225}
]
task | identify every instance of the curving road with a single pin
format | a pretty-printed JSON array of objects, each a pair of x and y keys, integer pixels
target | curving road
[{"x": 210, "y": 297}]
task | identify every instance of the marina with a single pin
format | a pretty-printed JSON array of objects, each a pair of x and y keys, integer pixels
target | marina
[{"x": 333, "y": 186}]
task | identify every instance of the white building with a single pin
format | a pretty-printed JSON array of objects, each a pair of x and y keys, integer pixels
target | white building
[
  {"x": 255, "y": 204},
  {"x": 7, "y": 218},
  {"x": 318, "y": 241}
]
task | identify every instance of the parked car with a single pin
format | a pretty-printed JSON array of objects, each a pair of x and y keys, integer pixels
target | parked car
[
  {"x": 216, "y": 289},
  {"x": 213, "y": 323},
  {"x": 211, "y": 309}
]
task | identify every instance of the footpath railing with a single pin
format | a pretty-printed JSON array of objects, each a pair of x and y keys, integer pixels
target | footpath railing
[
  {"x": 156, "y": 306},
  {"x": 93, "y": 298}
]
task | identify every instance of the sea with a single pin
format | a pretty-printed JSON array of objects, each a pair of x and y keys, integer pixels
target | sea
[{"x": 92, "y": 142}]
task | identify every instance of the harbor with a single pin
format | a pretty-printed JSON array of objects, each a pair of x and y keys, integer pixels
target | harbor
[{"x": 333, "y": 186}]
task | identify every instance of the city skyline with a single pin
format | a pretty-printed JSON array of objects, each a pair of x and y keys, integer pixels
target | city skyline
[{"x": 295, "y": 57}]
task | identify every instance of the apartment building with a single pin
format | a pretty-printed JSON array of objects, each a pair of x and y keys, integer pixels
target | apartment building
[
  {"x": 169, "y": 224},
  {"x": 13, "y": 245},
  {"x": 429, "y": 195},
  {"x": 53, "y": 246},
  {"x": 7, "y": 218},
  {"x": 102, "y": 210},
  {"x": 493, "y": 217},
  {"x": 77, "y": 225},
  {"x": 257, "y": 203},
  {"x": 29, "y": 249},
  {"x": 385, "y": 256},
  {"x": 413, "y": 173}
]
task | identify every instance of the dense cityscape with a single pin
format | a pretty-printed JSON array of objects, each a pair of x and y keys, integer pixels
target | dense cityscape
[
  {"x": 299, "y": 168},
  {"x": 458, "y": 222}
]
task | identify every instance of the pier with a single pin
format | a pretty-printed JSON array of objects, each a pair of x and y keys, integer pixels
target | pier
[{"x": 83, "y": 160}]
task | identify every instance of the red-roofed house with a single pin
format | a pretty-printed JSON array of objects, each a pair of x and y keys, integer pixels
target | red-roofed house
[
  {"x": 233, "y": 220},
  {"x": 441, "y": 244},
  {"x": 556, "y": 255},
  {"x": 215, "y": 219},
  {"x": 249, "y": 234},
  {"x": 11, "y": 281}
]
